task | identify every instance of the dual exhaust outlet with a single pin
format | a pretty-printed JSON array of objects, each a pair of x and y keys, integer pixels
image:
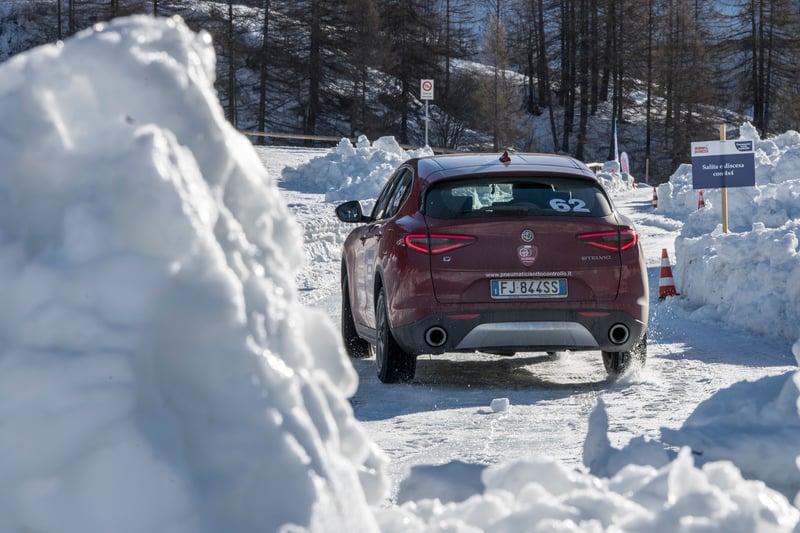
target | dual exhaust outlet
[{"x": 436, "y": 336}]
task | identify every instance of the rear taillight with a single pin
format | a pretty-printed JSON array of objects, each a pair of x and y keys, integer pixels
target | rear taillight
[
  {"x": 611, "y": 240},
  {"x": 436, "y": 243}
]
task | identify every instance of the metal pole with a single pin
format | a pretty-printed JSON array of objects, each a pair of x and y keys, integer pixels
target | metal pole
[
  {"x": 426, "y": 123},
  {"x": 724, "y": 190}
]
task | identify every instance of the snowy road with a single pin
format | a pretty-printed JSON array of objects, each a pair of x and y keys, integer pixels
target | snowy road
[{"x": 445, "y": 413}]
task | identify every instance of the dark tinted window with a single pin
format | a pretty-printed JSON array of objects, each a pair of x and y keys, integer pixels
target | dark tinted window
[
  {"x": 538, "y": 196},
  {"x": 383, "y": 204},
  {"x": 400, "y": 193}
]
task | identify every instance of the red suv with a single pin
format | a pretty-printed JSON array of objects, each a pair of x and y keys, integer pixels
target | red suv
[{"x": 492, "y": 253}]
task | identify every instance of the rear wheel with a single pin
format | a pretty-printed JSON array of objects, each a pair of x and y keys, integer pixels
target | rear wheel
[
  {"x": 618, "y": 362},
  {"x": 392, "y": 362},
  {"x": 355, "y": 346}
]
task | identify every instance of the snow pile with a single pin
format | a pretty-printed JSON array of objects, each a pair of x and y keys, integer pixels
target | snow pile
[
  {"x": 677, "y": 198},
  {"x": 614, "y": 182},
  {"x": 544, "y": 495},
  {"x": 754, "y": 425},
  {"x": 642, "y": 487},
  {"x": 351, "y": 173},
  {"x": 359, "y": 173},
  {"x": 750, "y": 276},
  {"x": 156, "y": 371}
]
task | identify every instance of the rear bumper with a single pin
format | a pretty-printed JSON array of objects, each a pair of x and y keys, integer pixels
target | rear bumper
[{"x": 530, "y": 330}]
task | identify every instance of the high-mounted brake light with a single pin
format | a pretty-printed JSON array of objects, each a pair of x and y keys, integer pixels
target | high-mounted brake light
[
  {"x": 616, "y": 241},
  {"x": 436, "y": 243}
]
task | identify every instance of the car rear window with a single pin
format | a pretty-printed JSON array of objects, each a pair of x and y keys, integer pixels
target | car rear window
[{"x": 532, "y": 196}]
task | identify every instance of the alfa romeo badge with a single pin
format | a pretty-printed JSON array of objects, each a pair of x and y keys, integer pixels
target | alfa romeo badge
[{"x": 526, "y": 235}]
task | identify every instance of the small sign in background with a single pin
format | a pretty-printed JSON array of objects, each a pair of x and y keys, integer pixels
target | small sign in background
[{"x": 426, "y": 89}]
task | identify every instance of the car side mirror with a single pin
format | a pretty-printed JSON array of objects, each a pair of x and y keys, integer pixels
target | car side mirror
[{"x": 351, "y": 212}]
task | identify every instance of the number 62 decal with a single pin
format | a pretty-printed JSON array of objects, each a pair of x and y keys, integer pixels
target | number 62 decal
[{"x": 575, "y": 205}]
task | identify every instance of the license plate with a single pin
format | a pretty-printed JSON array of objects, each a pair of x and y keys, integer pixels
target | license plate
[{"x": 529, "y": 288}]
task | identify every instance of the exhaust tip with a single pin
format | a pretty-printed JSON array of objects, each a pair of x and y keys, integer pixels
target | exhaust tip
[
  {"x": 619, "y": 334},
  {"x": 436, "y": 336}
]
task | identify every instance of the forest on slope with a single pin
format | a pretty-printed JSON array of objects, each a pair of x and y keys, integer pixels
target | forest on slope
[{"x": 537, "y": 75}]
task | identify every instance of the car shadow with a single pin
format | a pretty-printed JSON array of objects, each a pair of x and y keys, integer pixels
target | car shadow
[
  {"x": 454, "y": 381},
  {"x": 505, "y": 372}
]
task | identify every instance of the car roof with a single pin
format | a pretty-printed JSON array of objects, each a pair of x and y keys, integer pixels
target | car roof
[{"x": 437, "y": 167}]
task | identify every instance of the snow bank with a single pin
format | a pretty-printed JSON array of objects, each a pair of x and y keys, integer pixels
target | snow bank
[
  {"x": 754, "y": 425},
  {"x": 749, "y": 277},
  {"x": 156, "y": 371},
  {"x": 543, "y": 495},
  {"x": 359, "y": 173},
  {"x": 644, "y": 486},
  {"x": 351, "y": 173},
  {"x": 615, "y": 183}
]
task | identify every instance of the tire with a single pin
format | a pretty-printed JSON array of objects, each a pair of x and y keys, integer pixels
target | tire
[
  {"x": 393, "y": 364},
  {"x": 617, "y": 363},
  {"x": 356, "y": 347}
]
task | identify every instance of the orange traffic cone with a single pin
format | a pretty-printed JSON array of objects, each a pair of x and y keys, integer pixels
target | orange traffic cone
[
  {"x": 701, "y": 203},
  {"x": 655, "y": 198},
  {"x": 666, "y": 285}
]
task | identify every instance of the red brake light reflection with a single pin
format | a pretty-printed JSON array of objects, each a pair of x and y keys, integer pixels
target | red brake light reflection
[
  {"x": 436, "y": 243},
  {"x": 616, "y": 241}
]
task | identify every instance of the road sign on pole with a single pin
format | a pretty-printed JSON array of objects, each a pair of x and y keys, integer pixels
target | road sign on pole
[
  {"x": 426, "y": 89},
  {"x": 426, "y": 93}
]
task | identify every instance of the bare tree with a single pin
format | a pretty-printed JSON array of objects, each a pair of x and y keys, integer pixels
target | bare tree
[
  {"x": 231, "y": 24},
  {"x": 500, "y": 101},
  {"x": 687, "y": 82},
  {"x": 362, "y": 45},
  {"x": 584, "y": 51},
  {"x": 263, "y": 71},
  {"x": 409, "y": 55},
  {"x": 569, "y": 57},
  {"x": 771, "y": 28}
]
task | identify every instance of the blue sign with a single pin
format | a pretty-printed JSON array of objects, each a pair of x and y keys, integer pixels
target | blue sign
[{"x": 718, "y": 164}]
